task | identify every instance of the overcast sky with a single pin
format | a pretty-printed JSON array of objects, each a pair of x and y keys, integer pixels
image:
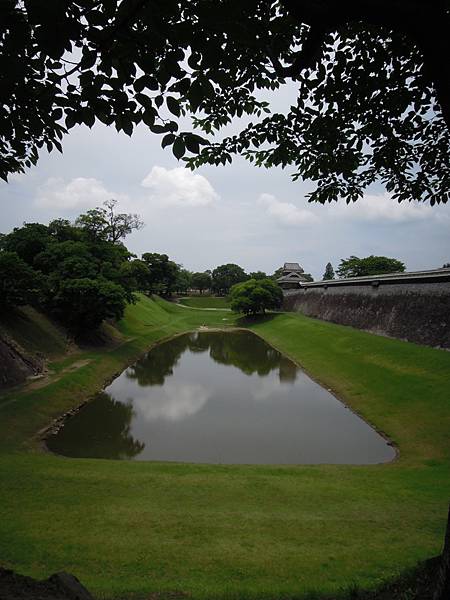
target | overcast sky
[{"x": 254, "y": 217}]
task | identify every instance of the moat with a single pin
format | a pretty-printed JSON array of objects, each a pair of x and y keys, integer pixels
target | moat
[{"x": 219, "y": 397}]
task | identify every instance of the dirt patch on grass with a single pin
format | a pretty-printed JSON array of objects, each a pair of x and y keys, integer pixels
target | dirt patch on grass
[{"x": 50, "y": 377}]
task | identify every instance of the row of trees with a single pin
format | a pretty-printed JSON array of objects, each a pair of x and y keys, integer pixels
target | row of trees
[
  {"x": 81, "y": 272},
  {"x": 358, "y": 267},
  {"x": 257, "y": 295},
  {"x": 221, "y": 279}
]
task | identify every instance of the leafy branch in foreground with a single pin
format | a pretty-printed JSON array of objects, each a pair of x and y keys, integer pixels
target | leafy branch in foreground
[{"x": 373, "y": 85}]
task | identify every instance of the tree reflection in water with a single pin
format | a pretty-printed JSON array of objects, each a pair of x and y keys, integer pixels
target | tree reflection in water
[
  {"x": 243, "y": 350},
  {"x": 159, "y": 362},
  {"x": 219, "y": 397},
  {"x": 100, "y": 430}
]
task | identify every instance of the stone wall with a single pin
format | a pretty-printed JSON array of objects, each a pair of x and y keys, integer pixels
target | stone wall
[
  {"x": 15, "y": 364},
  {"x": 414, "y": 310}
]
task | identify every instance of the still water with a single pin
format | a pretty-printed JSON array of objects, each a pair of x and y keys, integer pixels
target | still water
[{"x": 215, "y": 397}]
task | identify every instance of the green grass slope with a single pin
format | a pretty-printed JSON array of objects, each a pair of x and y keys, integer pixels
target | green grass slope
[
  {"x": 128, "y": 529},
  {"x": 35, "y": 332},
  {"x": 205, "y": 302}
]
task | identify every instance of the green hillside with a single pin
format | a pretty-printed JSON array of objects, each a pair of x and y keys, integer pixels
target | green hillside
[
  {"x": 34, "y": 332},
  {"x": 205, "y": 302},
  {"x": 132, "y": 529}
]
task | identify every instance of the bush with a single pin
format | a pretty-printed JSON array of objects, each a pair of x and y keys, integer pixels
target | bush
[
  {"x": 255, "y": 296},
  {"x": 84, "y": 303}
]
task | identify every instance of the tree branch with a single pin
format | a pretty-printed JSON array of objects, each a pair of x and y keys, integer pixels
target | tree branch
[{"x": 426, "y": 23}]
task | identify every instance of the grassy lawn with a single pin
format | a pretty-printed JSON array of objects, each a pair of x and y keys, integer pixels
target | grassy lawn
[
  {"x": 127, "y": 529},
  {"x": 205, "y": 302}
]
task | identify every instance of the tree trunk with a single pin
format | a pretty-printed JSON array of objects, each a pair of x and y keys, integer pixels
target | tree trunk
[{"x": 442, "y": 591}]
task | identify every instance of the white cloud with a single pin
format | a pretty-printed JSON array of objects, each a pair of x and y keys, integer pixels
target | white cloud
[
  {"x": 382, "y": 207},
  {"x": 285, "y": 212},
  {"x": 179, "y": 187},
  {"x": 81, "y": 192},
  {"x": 17, "y": 177},
  {"x": 173, "y": 402}
]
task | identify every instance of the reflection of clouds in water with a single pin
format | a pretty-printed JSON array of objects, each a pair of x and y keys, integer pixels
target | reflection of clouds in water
[
  {"x": 266, "y": 389},
  {"x": 174, "y": 402}
]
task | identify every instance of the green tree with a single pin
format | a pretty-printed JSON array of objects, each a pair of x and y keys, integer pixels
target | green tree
[
  {"x": 134, "y": 275},
  {"x": 19, "y": 283},
  {"x": 255, "y": 296},
  {"x": 72, "y": 269},
  {"x": 224, "y": 276},
  {"x": 201, "y": 281},
  {"x": 183, "y": 280},
  {"x": 106, "y": 224},
  {"x": 84, "y": 303},
  {"x": 329, "y": 272},
  {"x": 62, "y": 230},
  {"x": 373, "y": 91},
  {"x": 65, "y": 260},
  {"x": 257, "y": 275},
  {"x": 27, "y": 241},
  {"x": 371, "y": 265},
  {"x": 162, "y": 273},
  {"x": 278, "y": 273}
]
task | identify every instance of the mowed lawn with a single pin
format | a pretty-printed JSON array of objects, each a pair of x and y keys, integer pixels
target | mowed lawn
[
  {"x": 205, "y": 301},
  {"x": 127, "y": 529}
]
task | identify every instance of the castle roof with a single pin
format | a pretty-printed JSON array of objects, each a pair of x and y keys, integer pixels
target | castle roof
[{"x": 292, "y": 266}]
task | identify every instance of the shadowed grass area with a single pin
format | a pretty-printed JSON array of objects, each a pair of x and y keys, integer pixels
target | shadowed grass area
[
  {"x": 34, "y": 331},
  {"x": 205, "y": 302},
  {"x": 132, "y": 528}
]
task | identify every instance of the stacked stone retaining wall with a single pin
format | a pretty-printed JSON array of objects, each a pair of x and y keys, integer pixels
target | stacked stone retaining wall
[{"x": 417, "y": 311}]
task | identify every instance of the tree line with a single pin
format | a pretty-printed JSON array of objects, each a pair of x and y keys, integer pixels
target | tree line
[
  {"x": 359, "y": 267},
  {"x": 81, "y": 273}
]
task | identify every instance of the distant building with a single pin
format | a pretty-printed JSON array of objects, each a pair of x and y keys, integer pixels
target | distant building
[{"x": 293, "y": 275}]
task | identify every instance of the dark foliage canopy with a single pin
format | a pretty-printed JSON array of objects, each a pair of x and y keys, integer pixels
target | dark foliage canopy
[
  {"x": 329, "y": 272},
  {"x": 371, "y": 265},
  {"x": 257, "y": 275},
  {"x": 255, "y": 296},
  {"x": 201, "y": 281},
  {"x": 373, "y": 84},
  {"x": 19, "y": 284},
  {"x": 74, "y": 272},
  {"x": 225, "y": 276},
  {"x": 162, "y": 273}
]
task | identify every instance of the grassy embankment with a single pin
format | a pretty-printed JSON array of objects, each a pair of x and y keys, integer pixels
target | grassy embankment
[
  {"x": 130, "y": 528},
  {"x": 205, "y": 301}
]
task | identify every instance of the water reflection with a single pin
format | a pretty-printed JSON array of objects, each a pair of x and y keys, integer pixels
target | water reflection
[
  {"x": 158, "y": 364},
  {"x": 173, "y": 403},
  {"x": 218, "y": 397},
  {"x": 112, "y": 440},
  {"x": 247, "y": 352}
]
